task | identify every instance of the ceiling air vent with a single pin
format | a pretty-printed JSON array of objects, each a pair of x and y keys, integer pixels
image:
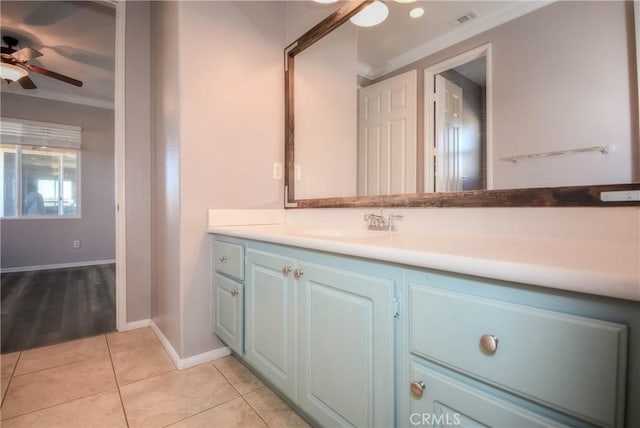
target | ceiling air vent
[{"x": 469, "y": 16}]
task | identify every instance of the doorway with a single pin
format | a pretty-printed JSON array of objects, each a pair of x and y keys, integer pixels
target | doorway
[
  {"x": 458, "y": 123},
  {"x": 100, "y": 269}
]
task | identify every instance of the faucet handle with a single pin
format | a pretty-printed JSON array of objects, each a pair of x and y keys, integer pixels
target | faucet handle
[
  {"x": 390, "y": 222},
  {"x": 376, "y": 222}
]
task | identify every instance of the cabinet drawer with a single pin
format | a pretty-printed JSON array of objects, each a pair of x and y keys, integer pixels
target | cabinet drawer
[
  {"x": 447, "y": 402},
  {"x": 574, "y": 364},
  {"x": 229, "y": 259}
]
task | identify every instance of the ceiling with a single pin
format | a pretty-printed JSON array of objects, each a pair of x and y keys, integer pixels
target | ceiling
[
  {"x": 401, "y": 39},
  {"x": 76, "y": 38}
]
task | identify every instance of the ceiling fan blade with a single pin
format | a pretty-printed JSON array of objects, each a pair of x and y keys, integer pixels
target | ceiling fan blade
[
  {"x": 55, "y": 75},
  {"x": 27, "y": 83},
  {"x": 25, "y": 54}
]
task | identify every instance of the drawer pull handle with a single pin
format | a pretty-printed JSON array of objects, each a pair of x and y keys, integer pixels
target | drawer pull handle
[
  {"x": 298, "y": 273},
  {"x": 489, "y": 343},
  {"x": 286, "y": 270},
  {"x": 234, "y": 293},
  {"x": 223, "y": 258},
  {"x": 417, "y": 388}
]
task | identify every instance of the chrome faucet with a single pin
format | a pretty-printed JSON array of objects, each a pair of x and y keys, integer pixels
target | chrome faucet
[{"x": 379, "y": 222}]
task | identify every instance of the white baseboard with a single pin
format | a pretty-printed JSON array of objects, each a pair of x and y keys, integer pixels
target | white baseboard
[
  {"x": 57, "y": 266},
  {"x": 185, "y": 363},
  {"x": 205, "y": 357},
  {"x": 138, "y": 324}
]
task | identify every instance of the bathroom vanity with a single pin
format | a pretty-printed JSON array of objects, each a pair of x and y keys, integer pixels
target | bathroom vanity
[
  {"x": 443, "y": 326},
  {"x": 357, "y": 328}
]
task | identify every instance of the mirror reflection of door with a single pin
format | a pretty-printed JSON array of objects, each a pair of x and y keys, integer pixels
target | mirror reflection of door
[
  {"x": 448, "y": 127},
  {"x": 460, "y": 128},
  {"x": 387, "y": 137}
]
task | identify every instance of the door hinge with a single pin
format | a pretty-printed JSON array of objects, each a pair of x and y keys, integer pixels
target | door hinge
[{"x": 396, "y": 307}]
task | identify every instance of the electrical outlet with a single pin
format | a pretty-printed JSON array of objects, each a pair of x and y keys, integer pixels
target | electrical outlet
[
  {"x": 277, "y": 171},
  {"x": 76, "y": 244},
  {"x": 297, "y": 173}
]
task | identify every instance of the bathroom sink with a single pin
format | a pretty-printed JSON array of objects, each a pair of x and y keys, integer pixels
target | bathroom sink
[{"x": 347, "y": 233}]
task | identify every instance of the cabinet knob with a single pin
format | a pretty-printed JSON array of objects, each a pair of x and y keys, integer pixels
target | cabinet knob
[
  {"x": 286, "y": 270},
  {"x": 489, "y": 343},
  {"x": 223, "y": 258},
  {"x": 298, "y": 273},
  {"x": 234, "y": 293},
  {"x": 417, "y": 388}
]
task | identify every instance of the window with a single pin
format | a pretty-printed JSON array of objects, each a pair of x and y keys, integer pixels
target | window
[{"x": 39, "y": 169}]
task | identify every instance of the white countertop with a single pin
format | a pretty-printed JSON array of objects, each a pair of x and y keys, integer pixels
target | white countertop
[{"x": 608, "y": 268}]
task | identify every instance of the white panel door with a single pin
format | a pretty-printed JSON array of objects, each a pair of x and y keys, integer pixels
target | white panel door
[
  {"x": 448, "y": 132},
  {"x": 387, "y": 137}
]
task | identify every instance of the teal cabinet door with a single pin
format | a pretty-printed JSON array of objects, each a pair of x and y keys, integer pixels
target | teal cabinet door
[
  {"x": 270, "y": 319},
  {"x": 228, "y": 305},
  {"x": 447, "y": 402},
  {"x": 346, "y": 347}
]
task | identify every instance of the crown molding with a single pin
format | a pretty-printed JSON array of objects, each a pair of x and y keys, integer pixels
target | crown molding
[
  {"x": 463, "y": 32},
  {"x": 364, "y": 70},
  {"x": 59, "y": 96}
]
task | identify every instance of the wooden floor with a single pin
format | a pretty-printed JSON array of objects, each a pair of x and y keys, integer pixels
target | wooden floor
[{"x": 51, "y": 306}]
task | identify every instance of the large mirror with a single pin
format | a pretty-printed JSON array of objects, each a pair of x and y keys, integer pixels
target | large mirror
[{"x": 471, "y": 97}]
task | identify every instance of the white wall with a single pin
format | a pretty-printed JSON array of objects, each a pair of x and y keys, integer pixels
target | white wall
[
  {"x": 326, "y": 111},
  {"x": 218, "y": 127},
  {"x": 231, "y": 132},
  {"x": 37, "y": 242}
]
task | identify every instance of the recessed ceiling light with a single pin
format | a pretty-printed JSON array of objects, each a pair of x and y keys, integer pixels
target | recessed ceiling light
[
  {"x": 371, "y": 15},
  {"x": 406, "y": 1},
  {"x": 416, "y": 12},
  {"x": 325, "y": 1}
]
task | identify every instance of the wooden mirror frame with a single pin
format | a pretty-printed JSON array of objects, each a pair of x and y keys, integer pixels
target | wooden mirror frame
[{"x": 567, "y": 196}]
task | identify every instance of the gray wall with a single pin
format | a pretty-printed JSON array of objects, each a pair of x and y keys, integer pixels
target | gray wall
[
  {"x": 138, "y": 161},
  {"x": 35, "y": 242},
  {"x": 166, "y": 304},
  {"x": 231, "y": 132},
  {"x": 543, "y": 102},
  {"x": 214, "y": 140}
]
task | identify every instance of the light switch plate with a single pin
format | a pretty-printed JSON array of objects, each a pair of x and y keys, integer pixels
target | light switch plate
[{"x": 277, "y": 171}]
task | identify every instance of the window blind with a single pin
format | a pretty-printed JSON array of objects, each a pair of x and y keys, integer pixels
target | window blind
[{"x": 29, "y": 132}]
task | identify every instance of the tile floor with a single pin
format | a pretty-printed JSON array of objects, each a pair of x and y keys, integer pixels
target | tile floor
[{"x": 127, "y": 379}]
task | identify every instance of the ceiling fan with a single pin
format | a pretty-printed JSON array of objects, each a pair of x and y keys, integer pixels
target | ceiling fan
[{"x": 15, "y": 67}]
